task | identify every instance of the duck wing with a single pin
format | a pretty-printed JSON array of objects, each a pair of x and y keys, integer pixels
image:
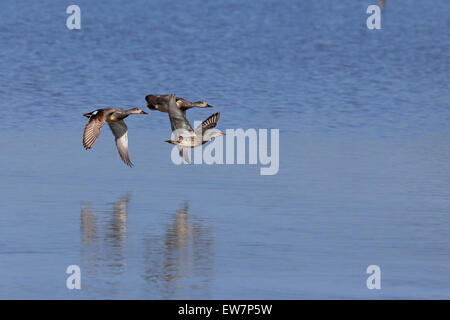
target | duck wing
[
  {"x": 208, "y": 124},
  {"x": 120, "y": 131},
  {"x": 177, "y": 116},
  {"x": 93, "y": 127},
  {"x": 184, "y": 153}
]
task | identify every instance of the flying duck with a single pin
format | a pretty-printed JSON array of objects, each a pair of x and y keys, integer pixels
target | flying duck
[
  {"x": 114, "y": 117},
  {"x": 161, "y": 103},
  {"x": 185, "y": 136}
]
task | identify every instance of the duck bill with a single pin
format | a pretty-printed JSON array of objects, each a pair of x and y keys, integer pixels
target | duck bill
[
  {"x": 87, "y": 115},
  {"x": 143, "y": 112}
]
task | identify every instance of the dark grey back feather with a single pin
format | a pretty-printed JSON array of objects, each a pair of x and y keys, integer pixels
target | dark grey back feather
[{"x": 177, "y": 116}]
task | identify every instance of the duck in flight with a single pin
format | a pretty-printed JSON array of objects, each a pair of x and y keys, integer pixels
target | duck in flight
[
  {"x": 161, "y": 103},
  {"x": 185, "y": 136},
  {"x": 114, "y": 117}
]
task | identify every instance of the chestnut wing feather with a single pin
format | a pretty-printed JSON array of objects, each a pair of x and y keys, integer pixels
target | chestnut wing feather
[{"x": 92, "y": 129}]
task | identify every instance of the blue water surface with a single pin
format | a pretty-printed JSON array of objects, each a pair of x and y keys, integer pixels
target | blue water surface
[{"x": 364, "y": 174}]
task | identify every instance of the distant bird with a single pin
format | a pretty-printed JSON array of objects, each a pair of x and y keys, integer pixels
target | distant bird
[
  {"x": 161, "y": 103},
  {"x": 114, "y": 117},
  {"x": 185, "y": 136}
]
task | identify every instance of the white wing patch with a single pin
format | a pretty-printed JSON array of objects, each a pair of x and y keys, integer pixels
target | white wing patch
[{"x": 120, "y": 131}]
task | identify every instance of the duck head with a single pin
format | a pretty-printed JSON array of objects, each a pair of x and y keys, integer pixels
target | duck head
[
  {"x": 137, "y": 111},
  {"x": 175, "y": 141},
  {"x": 215, "y": 134}
]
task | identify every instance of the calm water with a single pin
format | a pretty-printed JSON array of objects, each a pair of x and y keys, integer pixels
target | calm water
[{"x": 364, "y": 150}]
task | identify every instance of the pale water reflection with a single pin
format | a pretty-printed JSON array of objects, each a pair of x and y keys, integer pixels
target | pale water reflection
[
  {"x": 176, "y": 260},
  {"x": 103, "y": 238},
  {"x": 183, "y": 259}
]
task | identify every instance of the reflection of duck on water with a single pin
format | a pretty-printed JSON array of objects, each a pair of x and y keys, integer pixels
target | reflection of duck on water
[
  {"x": 179, "y": 232},
  {"x": 103, "y": 235},
  {"x": 186, "y": 252},
  {"x": 119, "y": 218}
]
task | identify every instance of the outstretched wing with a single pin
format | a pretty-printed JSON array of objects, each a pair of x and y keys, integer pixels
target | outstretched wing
[
  {"x": 93, "y": 127},
  {"x": 208, "y": 124},
  {"x": 177, "y": 116},
  {"x": 120, "y": 131},
  {"x": 184, "y": 153}
]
